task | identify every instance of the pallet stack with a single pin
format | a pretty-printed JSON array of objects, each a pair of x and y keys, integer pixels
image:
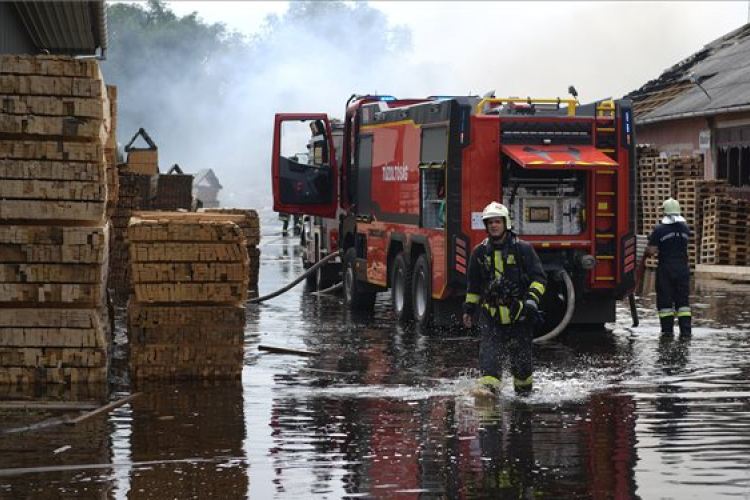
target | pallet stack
[
  {"x": 54, "y": 125},
  {"x": 726, "y": 234},
  {"x": 655, "y": 187},
  {"x": 691, "y": 194},
  {"x": 186, "y": 316},
  {"x": 661, "y": 177},
  {"x": 250, "y": 225},
  {"x": 685, "y": 168}
]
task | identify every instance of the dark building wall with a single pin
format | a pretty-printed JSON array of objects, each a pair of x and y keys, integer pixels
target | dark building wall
[
  {"x": 731, "y": 161},
  {"x": 13, "y": 36},
  {"x": 678, "y": 137}
]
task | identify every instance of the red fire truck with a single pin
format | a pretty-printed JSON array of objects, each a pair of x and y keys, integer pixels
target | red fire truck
[{"x": 414, "y": 175}]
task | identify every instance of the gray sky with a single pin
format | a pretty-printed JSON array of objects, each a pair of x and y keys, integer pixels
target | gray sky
[
  {"x": 529, "y": 48},
  {"x": 537, "y": 49}
]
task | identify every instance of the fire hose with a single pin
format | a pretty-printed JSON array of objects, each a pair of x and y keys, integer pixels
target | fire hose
[
  {"x": 570, "y": 291},
  {"x": 312, "y": 269},
  {"x": 570, "y": 306}
]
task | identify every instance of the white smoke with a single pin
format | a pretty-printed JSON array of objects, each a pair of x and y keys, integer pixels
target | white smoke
[{"x": 313, "y": 56}]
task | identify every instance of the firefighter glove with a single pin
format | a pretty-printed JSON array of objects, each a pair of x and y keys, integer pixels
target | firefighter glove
[{"x": 531, "y": 311}]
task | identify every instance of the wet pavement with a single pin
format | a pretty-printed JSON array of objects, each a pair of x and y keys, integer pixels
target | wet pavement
[{"x": 384, "y": 411}]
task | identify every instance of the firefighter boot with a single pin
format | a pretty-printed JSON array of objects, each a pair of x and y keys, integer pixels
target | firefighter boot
[
  {"x": 487, "y": 387},
  {"x": 667, "y": 325},
  {"x": 523, "y": 387},
  {"x": 686, "y": 329}
]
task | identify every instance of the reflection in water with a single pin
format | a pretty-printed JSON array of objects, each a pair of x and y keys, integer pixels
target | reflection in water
[
  {"x": 188, "y": 421},
  {"x": 383, "y": 411}
]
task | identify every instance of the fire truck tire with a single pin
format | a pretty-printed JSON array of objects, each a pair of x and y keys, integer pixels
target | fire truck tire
[
  {"x": 354, "y": 297},
  {"x": 422, "y": 301},
  {"x": 326, "y": 276},
  {"x": 401, "y": 292}
]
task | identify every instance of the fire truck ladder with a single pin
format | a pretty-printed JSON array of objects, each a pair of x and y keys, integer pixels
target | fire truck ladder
[{"x": 605, "y": 196}]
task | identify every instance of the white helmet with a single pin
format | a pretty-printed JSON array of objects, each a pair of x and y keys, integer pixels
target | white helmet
[
  {"x": 495, "y": 209},
  {"x": 671, "y": 207}
]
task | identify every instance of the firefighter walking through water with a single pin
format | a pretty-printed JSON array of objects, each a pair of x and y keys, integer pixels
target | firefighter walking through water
[
  {"x": 505, "y": 284},
  {"x": 670, "y": 241}
]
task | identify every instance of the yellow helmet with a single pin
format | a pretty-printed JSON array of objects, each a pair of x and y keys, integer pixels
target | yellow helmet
[
  {"x": 671, "y": 207},
  {"x": 495, "y": 209}
]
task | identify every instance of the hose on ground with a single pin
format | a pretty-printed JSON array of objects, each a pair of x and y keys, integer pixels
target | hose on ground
[
  {"x": 294, "y": 283},
  {"x": 330, "y": 289},
  {"x": 570, "y": 306}
]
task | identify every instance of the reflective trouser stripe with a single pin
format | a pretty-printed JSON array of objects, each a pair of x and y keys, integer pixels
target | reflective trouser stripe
[
  {"x": 504, "y": 479},
  {"x": 664, "y": 313},
  {"x": 489, "y": 380},
  {"x": 684, "y": 311},
  {"x": 517, "y": 382},
  {"x": 536, "y": 290}
]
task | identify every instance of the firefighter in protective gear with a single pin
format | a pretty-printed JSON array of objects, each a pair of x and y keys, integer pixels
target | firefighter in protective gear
[
  {"x": 284, "y": 218},
  {"x": 670, "y": 241},
  {"x": 505, "y": 285}
]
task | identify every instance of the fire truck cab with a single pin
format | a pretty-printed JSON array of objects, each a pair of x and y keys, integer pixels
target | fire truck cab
[{"x": 407, "y": 184}]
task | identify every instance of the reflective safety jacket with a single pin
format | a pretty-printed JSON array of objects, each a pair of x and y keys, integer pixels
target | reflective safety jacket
[{"x": 515, "y": 260}]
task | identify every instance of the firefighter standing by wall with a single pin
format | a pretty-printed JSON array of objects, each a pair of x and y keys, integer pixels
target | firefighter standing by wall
[
  {"x": 505, "y": 284},
  {"x": 670, "y": 241}
]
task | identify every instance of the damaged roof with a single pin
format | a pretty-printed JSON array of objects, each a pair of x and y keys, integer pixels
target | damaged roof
[
  {"x": 714, "y": 80},
  {"x": 69, "y": 27}
]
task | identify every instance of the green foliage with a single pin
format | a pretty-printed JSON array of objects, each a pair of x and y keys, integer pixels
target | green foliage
[{"x": 149, "y": 36}]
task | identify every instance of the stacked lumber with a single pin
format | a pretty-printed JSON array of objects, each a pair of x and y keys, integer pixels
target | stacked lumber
[
  {"x": 55, "y": 123},
  {"x": 143, "y": 161},
  {"x": 251, "y": 227},
  {"x": 726, "y": 234},
  {"x": 134, "y": 195},
  {"x": 110, "y": 154},
  {"x": 172, "y": 191},
  {"x": 186, "y": 315}
]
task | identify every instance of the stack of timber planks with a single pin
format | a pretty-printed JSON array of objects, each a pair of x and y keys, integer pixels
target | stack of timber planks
[
  {"x": 172, "y": 191},
  {"x": 134, "y": 195},
  {"x": 55, "y": 124},
  {"x": 186, "y": 315},
  {"x": 251, "y": 227},
  {"x": 143, "y": 161}
]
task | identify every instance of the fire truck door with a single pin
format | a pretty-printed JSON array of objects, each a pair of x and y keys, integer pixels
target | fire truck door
[{"x": 304, "y": 183}]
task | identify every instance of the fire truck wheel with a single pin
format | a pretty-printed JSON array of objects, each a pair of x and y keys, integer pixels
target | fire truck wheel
[
  {"x": 354, "y": 297},
  {"x": 422, "y": 291},
  {"x": 401, "y": 293},
  {"x": 326, "y": 276}
]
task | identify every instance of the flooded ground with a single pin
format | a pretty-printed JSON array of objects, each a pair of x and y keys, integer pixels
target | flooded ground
[{"x": 384, "y": 411}]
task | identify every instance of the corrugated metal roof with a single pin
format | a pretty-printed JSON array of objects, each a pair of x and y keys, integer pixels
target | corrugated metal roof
[
  {"x": 722, "y": 68},
  {"x": 72, "y": 27}
]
